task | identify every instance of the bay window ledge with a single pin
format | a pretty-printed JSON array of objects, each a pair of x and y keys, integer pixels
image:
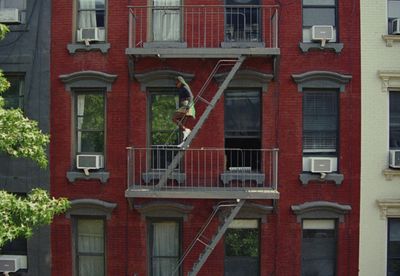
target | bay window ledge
[
  {"x": 389, "y": 39},
  {"x": 73, "y": 176},
  {"x": 305, "y": 178},
  {"x": 75, "y": 47},
  {"x": 307, "y": 46}
]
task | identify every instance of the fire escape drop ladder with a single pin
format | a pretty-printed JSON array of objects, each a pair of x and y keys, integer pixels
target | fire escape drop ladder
[
  {"x": 210, "y": 106},
  {"x": 209, "y": 245}
]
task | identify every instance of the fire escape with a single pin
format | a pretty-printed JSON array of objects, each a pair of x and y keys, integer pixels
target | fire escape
[{"x": 229, "y": 35}]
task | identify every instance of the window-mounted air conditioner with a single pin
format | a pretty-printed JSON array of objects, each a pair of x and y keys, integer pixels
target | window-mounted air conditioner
[
  {"x": 9, "y": 16},
  {"x": 12, "y": 263},
  {"x": 394, "y": 159},
  {"x": 88, "y": 34},
  {"x": 396, "y": 26},
  {"x": 321, "y": 165},
  {"x": 322, "y": 33},
  {"x": 88, "y": 162}
]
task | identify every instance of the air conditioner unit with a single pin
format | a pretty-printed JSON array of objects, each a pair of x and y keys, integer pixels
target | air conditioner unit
[
  {"x": 88, "y": 34},
  {"x": 321, "y": 164},
  {"x": 88, "y": 162},
  {"x": 9, "y": 16},
  {"x": 396, "y": 26},
  {"x": 394, "y": 159},
  {"x": 12, "y": 263},
  {"x": 322, "y": 33}
]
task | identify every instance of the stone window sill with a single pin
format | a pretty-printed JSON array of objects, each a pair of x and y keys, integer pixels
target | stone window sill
[
  {"x": 75, "y": 47},
  {"x": 77, "y": 175},
  {"x": 390, "y": 39},
  {"x": 306, "y": 47},
  {"x": 390, "y": 173},
  {"x": 305, "y": 178},
  {"x": 227, "y": 177}
]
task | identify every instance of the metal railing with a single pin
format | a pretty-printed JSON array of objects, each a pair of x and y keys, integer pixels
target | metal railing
[
  {"x": 203, "y": 169},
  {"x": 203, "y": 26}
]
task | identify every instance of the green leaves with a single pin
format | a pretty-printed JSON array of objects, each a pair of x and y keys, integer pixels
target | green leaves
[
  {"x": 20, "y": 215},
  {"x": 21, "y": 137}
]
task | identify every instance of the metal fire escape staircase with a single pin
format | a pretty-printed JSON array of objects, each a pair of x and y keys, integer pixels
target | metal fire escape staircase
[
  {"x": 210, "y": 106},
  {"x": 209, "y": 244}
]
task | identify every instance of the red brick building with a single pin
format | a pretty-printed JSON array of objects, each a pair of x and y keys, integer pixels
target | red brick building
[{"x": 267, "y": 183}]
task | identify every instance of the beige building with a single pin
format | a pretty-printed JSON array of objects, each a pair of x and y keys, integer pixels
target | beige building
[{"x": 380, "y": 152}]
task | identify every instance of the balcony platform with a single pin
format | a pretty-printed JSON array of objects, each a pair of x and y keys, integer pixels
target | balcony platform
[{"x": 201, "y": 193}]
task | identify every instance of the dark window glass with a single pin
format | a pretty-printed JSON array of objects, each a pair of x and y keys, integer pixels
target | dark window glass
[
  {"x": 243, "y": 129},
  {"x": 394, "y": 119},
  {"x": 318, "y": 252},
  {"x": 90, "y": 122},
  {"x": 242, "y": 247},
  {"x": 89, "y": 247},
  {"x": 320, "y": 122},
  {"x": 243, "y": 20},
  {"x": 14, "y": 96},
  {"x": 165, "y": 247},
  {"x": 393, "y": 262},
  {"x": 15, "y": 247}
]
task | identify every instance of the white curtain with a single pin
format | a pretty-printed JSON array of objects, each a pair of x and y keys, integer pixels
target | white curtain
[
  {"x": 80, "y": 112},
  {"x": 166, "y": 22},
  {"x": 91, "y": 241},
  {"x": 87, "y": 19},
  {"x": 166, "y": 245}
]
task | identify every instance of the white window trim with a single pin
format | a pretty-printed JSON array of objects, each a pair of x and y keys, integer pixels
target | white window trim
[{"x": 389, "y": 208}]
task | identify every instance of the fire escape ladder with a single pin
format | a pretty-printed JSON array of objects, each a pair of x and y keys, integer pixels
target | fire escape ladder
[
  {"x": 210, "y": 245},
  {"x": 210, "y": 106}
]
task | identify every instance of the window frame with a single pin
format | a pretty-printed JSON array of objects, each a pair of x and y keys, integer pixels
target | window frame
[
  {"x": 251, "y": 150},
  {"x": 75, "y": 243},
  {"x": 321, "y": 152},
  {"x": 76, "y": 25},
  {"x": 259, "y": 242},
  {"x": 390, "y": 19},
  {"x": 391, "y": 127},
  {"x": 20, "y": 77},
  {"x": 150, "y": 238},
  {"x": 336, "y": 239},
  {"x": 151, "y": 25},
  {"x": 336, "y": 17},
  {"x": 89, "y": 91}
]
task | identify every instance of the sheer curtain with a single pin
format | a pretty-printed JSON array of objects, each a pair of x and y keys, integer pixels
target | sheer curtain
[
  {"x": 91, "y": 242},
  {"x": 87, "y": 14},
  {"x": 166, "y": 22},
  {"x": 80, "y": 112},
  {"x": 165, "y": 248}
]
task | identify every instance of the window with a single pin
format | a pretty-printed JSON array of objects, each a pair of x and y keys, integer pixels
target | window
[
  {"x": 14, "y": 96},
  {"x": 89, "y": 246},
  {"x": 320, "y": 122},
  {"x": 15, "y": 4},
  {"x": 15, "y": 247},
  {"x": 91, "y": 14},
  {"x": 165, "y": 247},
  {"x": 393, "y": 254},
  {"x": 243, "y": 20},
  {"x": 393, "y": 13},
  {"x": 394, "y": 120},
  {"x": 163, "y": 132},
  {"x": 90, "y": 122},
  {"x": 167, "y": 20},
  {"x": 319, "y": 12},
  {"x": 242, "y": 247},
  {"x": 243, "y": 128},
  {"x": 318, "y": 249}
]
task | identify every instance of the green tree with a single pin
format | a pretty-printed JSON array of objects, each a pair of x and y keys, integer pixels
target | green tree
[{"x": 21, "y": 137}]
